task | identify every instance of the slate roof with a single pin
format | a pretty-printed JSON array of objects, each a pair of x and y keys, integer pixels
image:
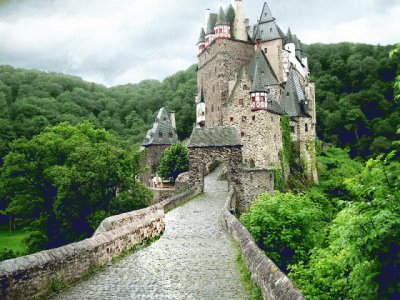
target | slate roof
[
  {"x": 215, "y": 137},
  {"x": 258, "y": 81},
  {"x": 211, "y": 23},
  {"x": 266, "y": 14},
  {"x": 274, "y": 107},
  {"x": 293, "y": 96},
  {"x": 202, "y": 37},
  {"x": 162, "y": 132},
  {"x": 221, "y": 18},
  {"x": 269, "y": 76},
  {"x": 269, "y": 31}
]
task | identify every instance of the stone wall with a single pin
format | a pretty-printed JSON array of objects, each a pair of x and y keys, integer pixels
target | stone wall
[
  {"x": 31, "y": 276},
  {"x": 230, "y": 157},
  {"x": 274, "y": 52},
  {"x": 251, "y": 183},
  {"x": 273, "y": 282},
  {"x": 222, "y": 60},
  {"x": 260, "y": 130},
  {"x": 151, "y": 158}
]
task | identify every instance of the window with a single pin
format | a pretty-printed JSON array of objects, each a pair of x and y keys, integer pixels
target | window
[
  {"x": 262, "y": 98},
  {"x": 245, "y": 87},
  {"x": 244, "y": 119},
  {"x": 306, "y": 127},
  {"x": 171, "y": 135},
  {"x": 253, "y": 118},
  {"x": 242, "y": 134},
  {"x": 287, "y": 93},
  {"x": 241, "y": 102},
  {"x": 265, "y": 50},
  {"x": 231, "y": 119},
  {"x": 160, "y": 134},
  {"x": 218, "y": 108},
  {"x": 270, "y": 30},
  {"x": 212, "y": 108}
]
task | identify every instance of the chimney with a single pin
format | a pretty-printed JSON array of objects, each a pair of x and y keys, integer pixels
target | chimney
[{"x": 172, "y": 117}]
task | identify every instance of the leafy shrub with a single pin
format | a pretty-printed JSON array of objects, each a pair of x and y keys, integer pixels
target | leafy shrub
[{"x": 285, "y": 226}]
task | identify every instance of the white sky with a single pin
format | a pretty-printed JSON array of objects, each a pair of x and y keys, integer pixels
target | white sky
[{"x": 125, "y": 41}]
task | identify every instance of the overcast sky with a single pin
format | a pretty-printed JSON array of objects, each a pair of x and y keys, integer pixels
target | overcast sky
[{"x": 125, "y": 41}]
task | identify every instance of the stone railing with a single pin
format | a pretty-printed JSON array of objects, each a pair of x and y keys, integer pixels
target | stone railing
[
  {"x": 33, "y": 275},
  {"x": 273, "y": 282}
]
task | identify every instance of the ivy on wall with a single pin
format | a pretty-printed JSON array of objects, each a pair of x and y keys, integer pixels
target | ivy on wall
[{"x": 286, "y": 142}]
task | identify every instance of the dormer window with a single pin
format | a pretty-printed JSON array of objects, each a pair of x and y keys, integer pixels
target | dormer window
[
  {"x": 160, "y": 134},
  {"x": 171, "y": 135}
]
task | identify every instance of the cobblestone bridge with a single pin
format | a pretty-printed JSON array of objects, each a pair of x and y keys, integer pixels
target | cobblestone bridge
[{"x": 194, "y": 259}]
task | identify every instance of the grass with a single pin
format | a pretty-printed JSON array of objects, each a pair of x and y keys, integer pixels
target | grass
[
  {"x": 249, "y": 285},
  {"x": 12, "y": 241}
]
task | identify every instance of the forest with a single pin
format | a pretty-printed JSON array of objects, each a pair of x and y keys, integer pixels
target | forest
[{"x": 59, "y": 135}]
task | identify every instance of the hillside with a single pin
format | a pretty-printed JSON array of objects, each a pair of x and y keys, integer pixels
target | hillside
[{"x": 354, "y": 100}]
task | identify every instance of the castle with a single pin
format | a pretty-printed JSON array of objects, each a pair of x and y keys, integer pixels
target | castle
[{"x": 248, "y": 78}]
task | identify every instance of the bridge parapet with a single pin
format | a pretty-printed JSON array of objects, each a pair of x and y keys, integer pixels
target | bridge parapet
[
  {"x": 31, "y": 276},
  {"x": 273, "y": 283}
]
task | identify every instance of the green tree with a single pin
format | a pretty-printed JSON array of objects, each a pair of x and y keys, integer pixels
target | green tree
[
  {"x": 285, "y": 226},
  {"x": 57, "y": 181},
  {"x": 174, "y": 161}
]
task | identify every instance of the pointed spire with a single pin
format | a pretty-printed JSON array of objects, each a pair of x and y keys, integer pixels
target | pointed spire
[
  {"x": 266, "y": 15},
  {"x": 289, "y": 36},
  {"x": 221, "y": 19},
  {"x": 230, "y": 14},
  {"x": 202, "y": 37},
  {"x": 258, "y": 81},
  {"x": 210, "y": 28}
]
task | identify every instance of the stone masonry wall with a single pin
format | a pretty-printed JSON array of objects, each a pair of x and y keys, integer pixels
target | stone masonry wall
[
  {"x": 260, "y": 130},
  {"x": 273, "y": 283},
  {"x": 273, "y": 51},
  {"x": 223, "y": 59},
  {"x": 31, "y": 276},
  {"x": 251, "y": 183},
  {"x": 152, "y": 158},
  {"x": 231, "y": 157}
]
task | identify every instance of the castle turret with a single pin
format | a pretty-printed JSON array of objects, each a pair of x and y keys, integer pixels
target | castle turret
[
  {"x": 258, "y": 92},
  {"x": 222, "y": 28},
  {"x": 240, "y": 32},
  {"x": 201, "y": 44},
  {"x": 210, "y": 36},
  {"x": 200, "y": 109}
]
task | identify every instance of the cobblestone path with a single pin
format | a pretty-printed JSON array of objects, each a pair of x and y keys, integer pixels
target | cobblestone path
[{"x": 194, "y": 259}]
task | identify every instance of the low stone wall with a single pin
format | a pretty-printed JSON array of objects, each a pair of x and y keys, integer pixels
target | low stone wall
[
  {"x": 33, "y": 275},
  {"x": 273, "y": 282}
]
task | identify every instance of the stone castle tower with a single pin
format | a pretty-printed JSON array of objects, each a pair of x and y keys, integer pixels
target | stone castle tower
[{"x": 249, "y": 77}]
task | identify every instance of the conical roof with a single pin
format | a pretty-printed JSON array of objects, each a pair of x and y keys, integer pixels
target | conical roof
[
  {"x": 162, "y": 132},
  {"x": 266, "y": 15},
  {"x": 221, "y": 18},
  {"x": 293, "y": 96},
  {"x": 269, "y": 76},
  {"x": 202, "y": 37},
  {"x": 212, "y": 20},
  {"x": 258, "y": 81}
]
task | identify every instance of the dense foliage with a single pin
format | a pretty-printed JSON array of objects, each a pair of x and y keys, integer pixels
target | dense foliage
[
  {"x": 174, "y": 161},
  {"x": 31, "y": 100},
  {"x": 67, "y": 179},
  {"x": 285, "y": 226},
  {"x": 355, "y": 96},
  {"x": 340, "y": 240}
]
